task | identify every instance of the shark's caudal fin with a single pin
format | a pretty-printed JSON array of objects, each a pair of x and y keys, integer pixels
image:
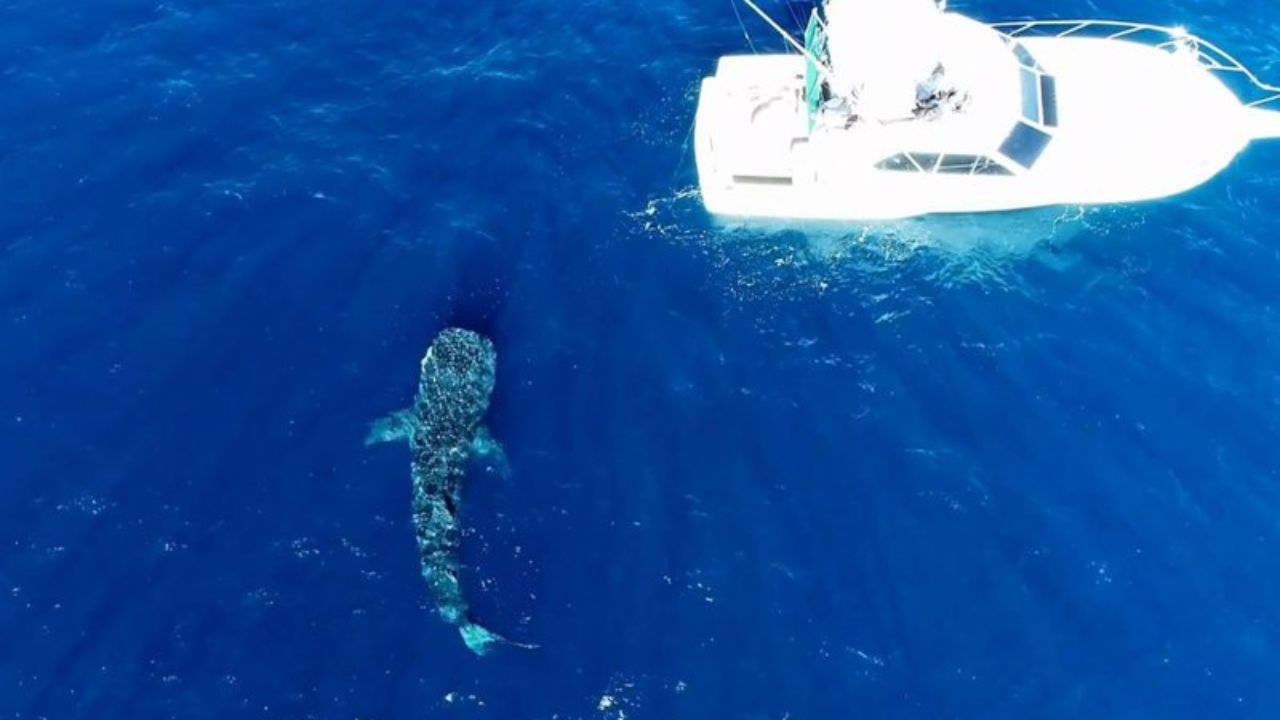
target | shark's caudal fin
[
  {"x": 481, "y": 640},
  {"x": 399, "y": 426}
]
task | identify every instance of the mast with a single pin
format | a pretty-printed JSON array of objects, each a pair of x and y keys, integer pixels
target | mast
[{"x": 822, "y": 67}]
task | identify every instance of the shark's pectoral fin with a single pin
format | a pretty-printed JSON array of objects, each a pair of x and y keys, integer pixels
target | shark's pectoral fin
[
  {"x": 481, "y": 640},
  {"x": 488, "y": 450},
  {"x": 397, "y": 427}
]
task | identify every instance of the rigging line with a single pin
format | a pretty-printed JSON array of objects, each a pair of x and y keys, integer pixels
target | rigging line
[
  {"x": 791, "y": 9},
  {"x": 820, "y": 66},
  {"x": 684, "y": 149},
  {"x": 745, "y": 34}
]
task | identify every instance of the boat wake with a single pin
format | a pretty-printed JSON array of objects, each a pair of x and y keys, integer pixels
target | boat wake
[{"x": 984, "y": 248}]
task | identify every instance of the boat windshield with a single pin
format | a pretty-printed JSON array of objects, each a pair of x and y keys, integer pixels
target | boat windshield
[
  {"x": 1024, "y": 56},
  {"x": 1025, "y": 144},
  {"x": 1032, "y": 134}
]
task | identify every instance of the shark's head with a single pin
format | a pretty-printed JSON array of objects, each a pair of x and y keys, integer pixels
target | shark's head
[{"x": 456, "y": 383}]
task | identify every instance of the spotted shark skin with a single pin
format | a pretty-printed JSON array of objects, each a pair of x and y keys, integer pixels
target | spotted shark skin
[{"x": 444, "y": 429}]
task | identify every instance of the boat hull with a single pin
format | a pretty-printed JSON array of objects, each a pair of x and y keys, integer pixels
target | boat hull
[{"x": 1132, "y": 123}]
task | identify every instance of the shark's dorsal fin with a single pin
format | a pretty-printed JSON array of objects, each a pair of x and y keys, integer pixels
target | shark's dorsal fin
[{"x": 399, "y": 426}]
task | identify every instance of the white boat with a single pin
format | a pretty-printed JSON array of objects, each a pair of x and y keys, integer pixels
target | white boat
[{"x": 900, "y": 108}]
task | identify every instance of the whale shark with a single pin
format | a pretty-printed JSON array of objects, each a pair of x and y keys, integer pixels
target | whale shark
[{"x": 444, "y": 429}]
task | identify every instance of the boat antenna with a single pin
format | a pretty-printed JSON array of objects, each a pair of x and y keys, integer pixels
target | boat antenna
[{"x": 822, "y": 68}]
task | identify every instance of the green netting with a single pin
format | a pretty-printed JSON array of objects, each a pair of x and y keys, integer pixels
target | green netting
[{"x": 815, "y": 42}]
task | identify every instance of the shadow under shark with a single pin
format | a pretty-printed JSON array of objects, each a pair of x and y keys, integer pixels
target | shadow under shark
[{"x": 444, "y": 429}]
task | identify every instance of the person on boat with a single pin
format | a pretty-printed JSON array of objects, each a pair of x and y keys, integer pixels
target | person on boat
[
  {"x": 957, "y": 100},
  {"x": 929, "y": 93},
  {"x": 932, "y": 98},
  {"x": 838, "y": 112}
]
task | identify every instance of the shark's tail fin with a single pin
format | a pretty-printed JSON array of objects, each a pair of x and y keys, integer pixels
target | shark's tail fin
[{"x": 481, "y": 640}]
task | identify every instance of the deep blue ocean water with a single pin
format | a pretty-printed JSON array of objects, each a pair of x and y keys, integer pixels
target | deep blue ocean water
[{"x": 929, "y": 471}]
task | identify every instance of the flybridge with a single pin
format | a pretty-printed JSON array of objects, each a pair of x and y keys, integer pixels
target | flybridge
[{"x": 893, "y": 108}]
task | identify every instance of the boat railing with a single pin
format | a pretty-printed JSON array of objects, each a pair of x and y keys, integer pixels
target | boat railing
[{"x": 1173, "y": 39}]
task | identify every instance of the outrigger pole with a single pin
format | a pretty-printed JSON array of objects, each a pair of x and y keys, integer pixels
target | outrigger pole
[{"x": 822, "y": 68}]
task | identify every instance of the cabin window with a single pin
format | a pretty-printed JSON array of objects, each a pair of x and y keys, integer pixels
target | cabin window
[
  {"x": 1030, "y": 95},
  {"x": 1024, "y": 56},
  {"x": 945, "y": 164},
  {"x": 928, "y": 162},
  {"x": 971, "y": 165},
  {"x": 900, "y": 162},
  {"x": 1025, "y": 144},
  {"x": 910, "y": 162},
  {"x": 1049, "y": 96}
]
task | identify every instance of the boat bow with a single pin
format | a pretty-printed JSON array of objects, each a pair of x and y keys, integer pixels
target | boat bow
[{"x": 1261, "y": 123}]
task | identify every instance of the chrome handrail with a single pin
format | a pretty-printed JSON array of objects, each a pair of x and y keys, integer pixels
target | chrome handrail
[{"x": 1212, "y": 57}]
